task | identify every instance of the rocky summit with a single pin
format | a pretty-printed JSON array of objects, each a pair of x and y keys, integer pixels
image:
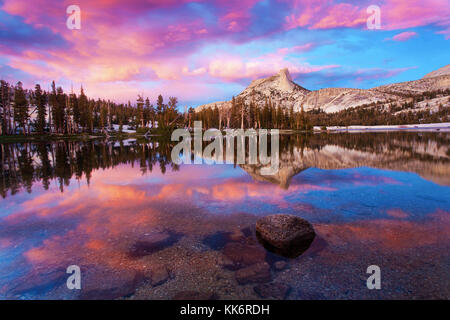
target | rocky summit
[
  {"x": 279, "y": 88},
  {"x": 283, "y": 91}
]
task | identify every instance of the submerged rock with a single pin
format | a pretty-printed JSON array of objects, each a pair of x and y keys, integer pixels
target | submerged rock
[
  {"x": 194, "y": 295},
  {"x": 280, "y": 265},
  {"x": 106, "y": 284},
  {"x": 256, "y": 273},
  {"x": 276, "y": 291},
  {"x": 160, "y": 275},
  {"x": 152, "y": 242},
  {"x": 285, "y": 234},
  {"x": 243, "y": 255}
]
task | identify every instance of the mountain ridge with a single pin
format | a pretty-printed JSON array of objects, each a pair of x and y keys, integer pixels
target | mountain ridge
[{"x": 282, "y": 90}]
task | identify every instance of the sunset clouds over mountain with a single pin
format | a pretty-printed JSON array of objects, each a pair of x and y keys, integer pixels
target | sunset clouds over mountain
[{"x": 204, "y": 51}]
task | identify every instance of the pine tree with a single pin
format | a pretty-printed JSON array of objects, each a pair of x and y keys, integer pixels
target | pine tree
[
  {"x": 149, "y": 113},
  {"x": 5, "y": 104},
  {"x": 216, "y": 117},
  {"x": 265, "y": 115},
  {"x": 279, "y": 117},
  {"x": 40, "y": 101},
  {"x": 103, "y": 116},
  {"x": 59, "y": 116},
  {"x": 140, "y": 111},
  {"x": 172, "y": 110},
  {"x": 20, "y": 107},
  {"x": 191, "y": 115},
  {"x": 242, "y": 107},
  {"x": 68, "y": 116},
  {"x": 269, "y": 113},
  {"x": 291, "y": 117},
  {"x": 75, "y": 111},
  {"x": 109, "y": 115},
  {"x": 160, "y": 111},
  {"x": 53, "y": 107},
  {"x": 301, "y": 119},
  {"x": 83, "y": 106},
  {"x": 235, "y": 115},
  {"x": 120, "y": 117},
  {"x": 90, "y": 113}
]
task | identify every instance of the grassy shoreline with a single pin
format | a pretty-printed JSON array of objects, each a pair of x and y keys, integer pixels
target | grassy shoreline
[
  {"x": 87, "y": 136},
  {"x": 127, "y": 135},
  {"x": 56, "y": 137}
]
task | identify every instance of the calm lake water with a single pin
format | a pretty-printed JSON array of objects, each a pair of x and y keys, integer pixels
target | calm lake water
[{"x": 140, "y": 227}]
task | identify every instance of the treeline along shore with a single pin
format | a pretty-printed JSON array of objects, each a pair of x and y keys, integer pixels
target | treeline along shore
[{"x": 36, "y": 112}]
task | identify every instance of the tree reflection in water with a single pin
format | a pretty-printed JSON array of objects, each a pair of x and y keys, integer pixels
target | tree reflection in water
[{"x": 24, "y": 164}]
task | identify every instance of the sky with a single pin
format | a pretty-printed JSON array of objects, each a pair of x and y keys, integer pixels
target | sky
[{"x": 203, "y": 51}]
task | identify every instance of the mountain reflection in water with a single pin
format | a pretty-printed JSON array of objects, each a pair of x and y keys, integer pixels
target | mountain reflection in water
[{"x": 142, "y": 227}]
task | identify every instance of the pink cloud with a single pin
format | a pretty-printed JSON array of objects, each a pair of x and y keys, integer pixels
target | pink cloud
[
  {"x": 445, "y": 32},
  {"x": 395, "y": 14},
  {"x": 121, "y": 46},
  {"x": 111, "y": 52},
  {"x": 113, "y": 45},
  {"x": 377, "y": 73},
  {"x": 298, "y": 49},
  {"x": 230, "y": 67},
  {"x": 342, "y": 15},
  {"x": 404, "y": 36},
  {"x": 235, "y": 15},
  {"x": 399, "y": 14},
  {"x": 325, "y": 15}
]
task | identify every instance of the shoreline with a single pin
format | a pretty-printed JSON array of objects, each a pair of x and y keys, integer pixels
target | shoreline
[
  {"x": 444, "y": 126},
  {"x": 441, "y": 127},
  {"x": 56, "y": 137}
]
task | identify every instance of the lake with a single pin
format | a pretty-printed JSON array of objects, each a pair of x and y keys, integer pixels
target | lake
[{"x": 141, "y": 227}]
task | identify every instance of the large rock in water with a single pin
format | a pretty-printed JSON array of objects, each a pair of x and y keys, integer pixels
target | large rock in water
[{"x": 285, "y": 234}]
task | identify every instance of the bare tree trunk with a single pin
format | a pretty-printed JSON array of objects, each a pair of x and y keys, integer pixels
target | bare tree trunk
[
  {"x": 68, "y": 114},
  {"x": 3, "y": 166},
  {"x": 242, "y": 116},
  {"x": 109, "y": 116},
  {"x": 9, "y": 114},
  {"x": 50, "y": 127}
]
